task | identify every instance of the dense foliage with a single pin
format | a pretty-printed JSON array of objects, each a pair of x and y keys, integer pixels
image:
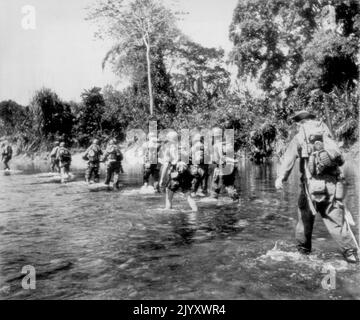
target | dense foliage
[{"x": 298, "y": 54}]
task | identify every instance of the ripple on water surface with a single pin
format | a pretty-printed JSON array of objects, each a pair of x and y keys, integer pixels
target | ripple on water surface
[{"x": 105, "y": 245}]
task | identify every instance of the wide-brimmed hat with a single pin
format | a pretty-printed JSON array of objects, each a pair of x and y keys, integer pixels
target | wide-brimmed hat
[{"x": 302, "y": 115}]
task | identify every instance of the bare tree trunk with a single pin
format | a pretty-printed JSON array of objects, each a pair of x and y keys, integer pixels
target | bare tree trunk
[
  {"x": 327, "y": 113},
  {"x": 149, "y": 78}
]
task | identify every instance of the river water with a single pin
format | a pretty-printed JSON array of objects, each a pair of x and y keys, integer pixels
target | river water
[{"x": 122, "y": 245}]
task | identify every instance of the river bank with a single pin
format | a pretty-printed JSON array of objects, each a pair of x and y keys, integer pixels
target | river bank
[
  {"x": 132, "y": 159},
  {"x": 39, "y": 161}
]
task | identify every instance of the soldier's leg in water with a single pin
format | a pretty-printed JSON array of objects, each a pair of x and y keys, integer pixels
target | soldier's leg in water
[
  {"x": 305, "y": 225},
  {"x": 338, "y": 228},
  {"x": 62, "y": 173},
  {"x": 88, "y": 173},
  {"x": 146, "y": 175},
  {"x": 229, "y": 183},
  {"x": 192, "y": 203},
  {"x": 6, "y": 163},
  {"x": 109, "y": 171},
  {"x": 205, "y": 178},
  {"x": 169, "y": 195},
  {"x": 117, "y": 177},
  {"x": 52, "y": 165},
  {"x": 67, "y": 170},
  {"x": 216, "y": 183},
  {"x": 156, "y": 177},
  {"x": 96, "y": 171},
  {"x": 195, "y": 183}
]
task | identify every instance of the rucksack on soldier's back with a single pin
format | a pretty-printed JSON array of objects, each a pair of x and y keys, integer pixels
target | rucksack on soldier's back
[
  {"x": 320, "y": 147},
  {"x": 65, "y": 155},
  {"x": 7, "y": 151},
  {"x": 93, "y": 155}
]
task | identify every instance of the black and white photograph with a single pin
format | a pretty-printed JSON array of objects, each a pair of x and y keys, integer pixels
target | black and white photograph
[{"x": 198, "y": 151}]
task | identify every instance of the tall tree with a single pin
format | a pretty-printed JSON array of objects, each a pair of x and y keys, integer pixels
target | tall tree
[
  {"x": 196, "y": 69},
  {"x": 89, "y": 115},
  {"x": 284, "y": 39},
  {"x": 137, "y": 24},
  {"x": 50, "y": 115}
]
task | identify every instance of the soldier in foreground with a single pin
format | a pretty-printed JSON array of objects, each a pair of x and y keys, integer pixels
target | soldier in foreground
[
  {"x": 150, "y": 151},
  {"x": 55, "y": 166},
  {"x": 175, "y": 174},
  {"x": 6, "y": 155},
  {"x": 321, "y": 185},
  {"x": 92, "y": 156},
  {"x": 112, "y": 157},
  {"x": 64, "y": 158},
  {"x": 224, "y": 175},
  {"x": 198, "y": 168}
]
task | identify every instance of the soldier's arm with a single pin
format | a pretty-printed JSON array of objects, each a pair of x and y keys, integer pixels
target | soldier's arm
[
  {"x": 289, "y": 159},
  {"x": 164, "y": 170},
  {"x": 165, "y": 166}
]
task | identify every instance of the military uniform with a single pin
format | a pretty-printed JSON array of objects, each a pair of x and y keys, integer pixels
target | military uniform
[
  {"x": 6, "y": 156},
  {"x": 331, "y": 210},
  {"x": 113, "y": 158},
  {"x": 92, "y": 155},
  {"x": 64, "y": 158},
  {"x": 151, "y": 169},
  {"x": 199, "y": 169},
  {"x": 55, "y": 165},
  {"x": 179, "y": 177},
  {"x": 224, "y": 174},
  {"x": 176, "y": 176}
]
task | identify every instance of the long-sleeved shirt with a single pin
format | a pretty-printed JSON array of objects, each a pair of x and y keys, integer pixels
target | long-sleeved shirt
[
  {"x": 97, "y": 151},
  {"x": 288, "y": 161},
  {"x": 54, "y": 152},
  {"x": 112, "y": 154}
]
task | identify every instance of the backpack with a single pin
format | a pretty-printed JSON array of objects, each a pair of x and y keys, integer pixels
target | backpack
[
  {"x": 93, "y": 155},
  {"x": 115, "y": 154},
  {"x": 318, "y": 146},
  {"x": 64, "y": 155},
  {"x": 7, "y": 151}
]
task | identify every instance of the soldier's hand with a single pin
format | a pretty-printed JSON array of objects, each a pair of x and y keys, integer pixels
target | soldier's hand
[{"x": 279, "y": 184}]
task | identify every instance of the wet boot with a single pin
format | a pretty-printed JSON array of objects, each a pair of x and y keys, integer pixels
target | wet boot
[
  {"x": 303, "y": 250},
  {"x": 351, "y": 256}
]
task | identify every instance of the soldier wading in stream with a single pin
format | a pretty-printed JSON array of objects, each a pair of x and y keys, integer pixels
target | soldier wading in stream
[{"x": 321, "y": 184}]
